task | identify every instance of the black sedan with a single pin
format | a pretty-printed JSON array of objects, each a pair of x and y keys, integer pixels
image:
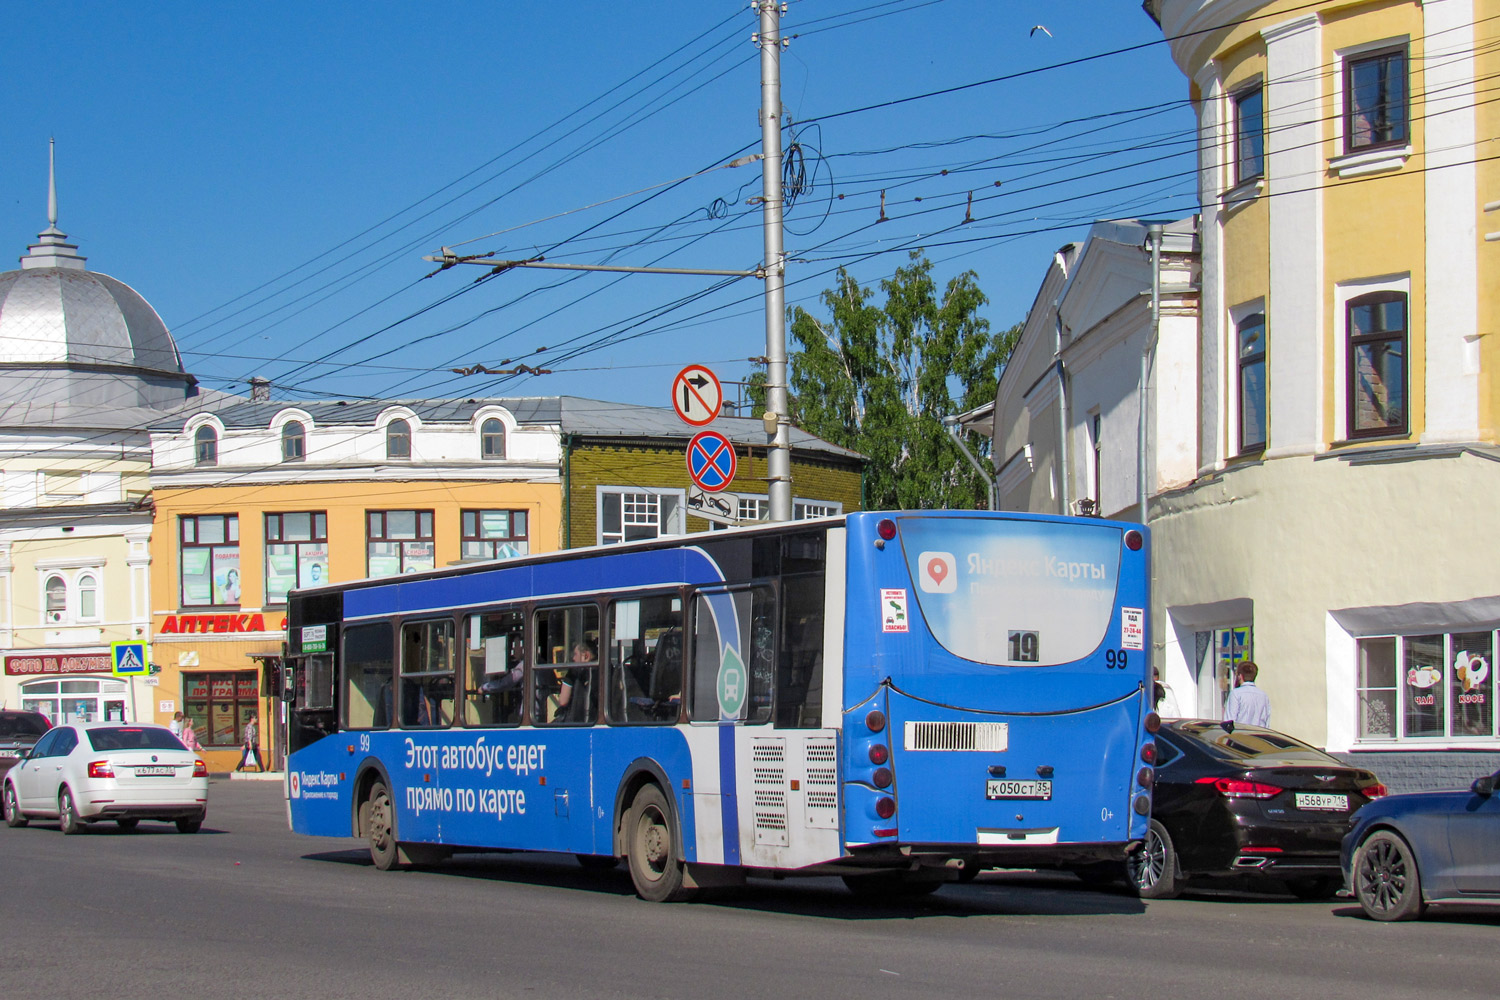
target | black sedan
[
  {"x": 1247, "y": 802},
  {"x": 1406, "y": 851},
  {"x": 19, "y": 732}
]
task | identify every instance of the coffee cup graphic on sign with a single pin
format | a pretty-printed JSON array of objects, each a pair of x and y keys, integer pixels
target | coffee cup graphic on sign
[{"x": 937, "y": 573}]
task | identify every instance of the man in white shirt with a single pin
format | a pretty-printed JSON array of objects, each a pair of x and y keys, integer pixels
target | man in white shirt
[{"x": 1247, "y": 703}]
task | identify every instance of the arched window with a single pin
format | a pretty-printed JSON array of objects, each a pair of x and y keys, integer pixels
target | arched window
[
  {"x": 206, "y": 446},
  {"x": 492, "y": 439},
  {"x": 398, "y": 439},
  {"x": 57, "y": 599},
  {"x": 88, "y": 597},
  {"x": 293, "y": 442}
]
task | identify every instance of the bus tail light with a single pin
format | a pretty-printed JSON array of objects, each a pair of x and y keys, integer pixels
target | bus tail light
[
  {"x": 879, "y": 753},
  {"x": 885, "y": 808},
  {"x": 875, "y": 721},
  {"x": 200, "y": 769},
  {"x": 882, "y": 777},
  {"x": 1145, "y": 777},
  {"x": 1134, "y": 540},
  {"x": 886, "y": 833},
  {"x": 1142, "y": 805},
  {"x": 1148, "y": 753},
  {"x": 1235, "y": 788},
  {"x": 101, "y": 769},
  {"x": 886, "y": 529},
  {"x": 1153, "y": 722}
]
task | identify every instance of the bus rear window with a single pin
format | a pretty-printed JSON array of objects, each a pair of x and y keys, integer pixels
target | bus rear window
[{"x": 1013, "y": 593}]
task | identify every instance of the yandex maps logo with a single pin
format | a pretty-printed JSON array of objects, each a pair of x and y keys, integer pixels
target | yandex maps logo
[
  {"x": 937, "y": 573},
  {"x": 206, "y": 624}
]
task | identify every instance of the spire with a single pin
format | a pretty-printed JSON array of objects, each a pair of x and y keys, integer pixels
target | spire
[{"x": 52, "y": 248}]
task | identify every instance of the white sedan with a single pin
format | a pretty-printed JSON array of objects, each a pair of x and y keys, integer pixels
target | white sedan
[{"x": 90, "y": 772}]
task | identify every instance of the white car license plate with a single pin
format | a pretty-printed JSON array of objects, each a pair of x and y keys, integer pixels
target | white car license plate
[
  {"x": 155, "y": 771},
  {"x": 1004, "y": 788},
  {"x": 1323, "y": 801}
]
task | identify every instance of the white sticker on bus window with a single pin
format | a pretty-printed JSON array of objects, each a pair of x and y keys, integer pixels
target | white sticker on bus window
[
  {"x": 1132, "y": 628},
  {"x": 893, "y": 611}
]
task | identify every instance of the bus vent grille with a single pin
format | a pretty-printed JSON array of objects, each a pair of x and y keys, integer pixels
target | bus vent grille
[
  {"x": 823, "y": 800},
  {"x": 769, "y": 750},
  {"x": 768, "y": 763},
  {"x": 822, "y": 753},
  {"x": 957, "y": 736},
  {"x": 823, "y": 776}
]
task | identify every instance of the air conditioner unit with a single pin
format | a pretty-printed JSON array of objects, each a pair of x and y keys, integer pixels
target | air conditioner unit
[{"x": 55, "y": 617}]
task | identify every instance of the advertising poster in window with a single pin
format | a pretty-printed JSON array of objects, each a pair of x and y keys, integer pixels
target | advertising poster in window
[
  {"x": 419, "y": 557},
  {"x": 312, "y": 566},
  {"x": 1473, "y": 709},
  {"x": 281, "y": 572},
  {"x": 494, "y": 524},
  {"x": 385, "y": 558},
  {"x": 1424, "y": 685},
  {"x": 226, "y": 576},
  {"x": 197, "y": 583}
]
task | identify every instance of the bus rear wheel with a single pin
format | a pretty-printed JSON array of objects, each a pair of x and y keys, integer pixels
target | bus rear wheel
[
  {"x": 375, "y": 819},
  {"x": 652, "y": 848}
]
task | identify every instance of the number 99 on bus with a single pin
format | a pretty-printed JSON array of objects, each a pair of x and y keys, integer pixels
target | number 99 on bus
[{"x": 1115, "y": 659}]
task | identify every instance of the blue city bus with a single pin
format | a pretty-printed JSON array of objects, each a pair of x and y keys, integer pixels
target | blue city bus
[{"x": 901, "y": 699}]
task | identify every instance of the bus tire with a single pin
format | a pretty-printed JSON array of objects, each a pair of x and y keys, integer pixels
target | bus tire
[
  {"x": 376, "y": 820},
  {"x": 652, "y": 849}
]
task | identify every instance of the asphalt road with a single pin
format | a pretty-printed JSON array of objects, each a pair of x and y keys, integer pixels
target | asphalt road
[{"x": 246, "y": 909}]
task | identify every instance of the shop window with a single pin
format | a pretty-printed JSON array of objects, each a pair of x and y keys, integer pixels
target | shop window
[
  {"x": 293, "y": 442},
  {"x": 1375, "y": 100},
  {"x": 1426, "y": 687},
  {"x": 210, "y": 560},
  {"x": 296, "y": 553},
  {"x": 220, "y": 703},
  {"x": 492, "y": 439},
  {"x": 734, "y": 655},
  {"x": 566, "y": 650},
  {"x": 1375, "y": 365},
  {"x": 628, "y": 515},
  {"x": 643, "y": 661},
  {"x": 205, "y": 446},
  {"x": 494, "y": 534},
  {"x": 495, "y": 652},
  {"x": 399, "y": 541},
  {"x": 82, "y": 700},
  {"x": 1249, "y": 134},
  {"x": 1250, "y": 334},
  {"x": 398, "y": 439}
]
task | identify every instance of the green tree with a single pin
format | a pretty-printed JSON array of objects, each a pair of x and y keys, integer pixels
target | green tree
[{"x": 879, "y": 378}]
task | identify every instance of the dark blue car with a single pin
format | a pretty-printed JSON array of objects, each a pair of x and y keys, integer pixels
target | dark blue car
[{"x": 1405, "y": 851}]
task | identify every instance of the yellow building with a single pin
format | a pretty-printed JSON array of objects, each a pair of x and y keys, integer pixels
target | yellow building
[{"x": 1339, "y": 529}]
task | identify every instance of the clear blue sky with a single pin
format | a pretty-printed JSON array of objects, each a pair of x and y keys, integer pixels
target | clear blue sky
[{"x": 269, "y": 175}]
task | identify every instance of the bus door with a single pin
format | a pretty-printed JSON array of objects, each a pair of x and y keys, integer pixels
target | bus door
[{"x": 307, "y": 687}]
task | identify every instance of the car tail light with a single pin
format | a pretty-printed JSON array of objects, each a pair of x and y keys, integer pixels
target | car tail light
[
  {"x": 101, "y": 769},
  {"x": 1374, "y": 791},
  {"x": 885, "y": 808},
  {"x": 1260, "y": 850},
  {"x": 1237, "y": 788},
  {"x": 879, "y": 753},
  {"x": 200, "y": 769}
]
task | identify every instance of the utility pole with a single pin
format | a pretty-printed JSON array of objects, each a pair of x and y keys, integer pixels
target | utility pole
[{"x": 777, "y": 416}]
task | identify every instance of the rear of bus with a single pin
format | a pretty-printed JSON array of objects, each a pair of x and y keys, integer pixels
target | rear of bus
[{"x": 996, "y": 690}]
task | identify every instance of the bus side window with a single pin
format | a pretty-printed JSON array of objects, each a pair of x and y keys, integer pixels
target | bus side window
[
  {"x": 799, "y": 675},
  {"x": 495, "y": 652},
  {"x": 734, "y": 654},
  {"x": 643, "y": 668},
  {"x": 427, "y": 673},
  {"x": 566, "y": 666},
  {"x": 368, "y": 667},
  {"x": 317, "y": 684}
]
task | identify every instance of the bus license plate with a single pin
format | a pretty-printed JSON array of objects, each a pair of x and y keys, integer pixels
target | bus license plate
[
  {"x": 157, "y": 771},
  {"x": 1320, "y": 800},
  {"x": 1007, "y": 789}
]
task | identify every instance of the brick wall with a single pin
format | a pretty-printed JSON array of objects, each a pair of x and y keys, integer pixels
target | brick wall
[
  {"x": 648, "y": 466},
  {"x": 1425, "y": 770}
]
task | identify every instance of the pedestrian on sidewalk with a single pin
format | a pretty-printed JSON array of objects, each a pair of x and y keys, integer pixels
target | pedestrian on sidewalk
[
  {"x": 189, "y": 736},
  {"x": 250, "y": 746},
  {"x": 1247, "y": 703}
]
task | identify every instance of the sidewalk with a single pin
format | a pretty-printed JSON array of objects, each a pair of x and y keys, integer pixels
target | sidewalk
[{"x": 252, "y": 775}]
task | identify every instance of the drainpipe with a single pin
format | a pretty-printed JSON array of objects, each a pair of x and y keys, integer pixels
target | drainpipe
[
  {"x": 1153, "y": 241},
  {"x": 567, "y": 489},
  {"x": 991, "y": 487},
  {"x": 1062, "y": 389}
]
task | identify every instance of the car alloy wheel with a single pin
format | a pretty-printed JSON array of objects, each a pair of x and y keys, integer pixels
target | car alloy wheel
[
  {"x": 1153, "y": 869},
  {"x": 1386, "y": 882}
]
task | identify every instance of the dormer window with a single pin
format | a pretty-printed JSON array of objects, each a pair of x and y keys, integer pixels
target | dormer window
[
  {"x": 206, "y": 446},
  {"x": 398, "y": 439},
  {"x": 492, "y": 440},
  {"x": 293, "y": 442}
]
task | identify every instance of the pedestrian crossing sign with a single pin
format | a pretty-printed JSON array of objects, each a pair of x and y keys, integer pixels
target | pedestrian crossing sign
[{"x": 129, "y": 659}]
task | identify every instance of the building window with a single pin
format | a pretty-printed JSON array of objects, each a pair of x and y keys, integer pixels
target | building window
[
  {"x": 492, "y": 439},
  {"x": 398, "y": 439},
  {"x": 205, "y": 446},
  {"x": 296, "y": 553},
  {"x": 88, "y": 597},
  {"x": 78, "y": 700},
  {"x": 1096, "y": 458},
  {"x": 400, "y": 541},
  {"x": 293, "y": 442},
  {"x": 627, "y": 515},
  {"x": 210, "y": 560},
  {"x": 1376, "y": 364},
  {"x": 57, "y": 600},
  {"x": 1375, "y": 100},
  {"x": 1425, "y": 687},
  {"x": 220, "y": 704},
  {"x": 1249, "y": 135},
  {"x": 804, "y": 509},
  {"x": 1250, "y": 333},
  {"x": 494, "y": 534}
]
